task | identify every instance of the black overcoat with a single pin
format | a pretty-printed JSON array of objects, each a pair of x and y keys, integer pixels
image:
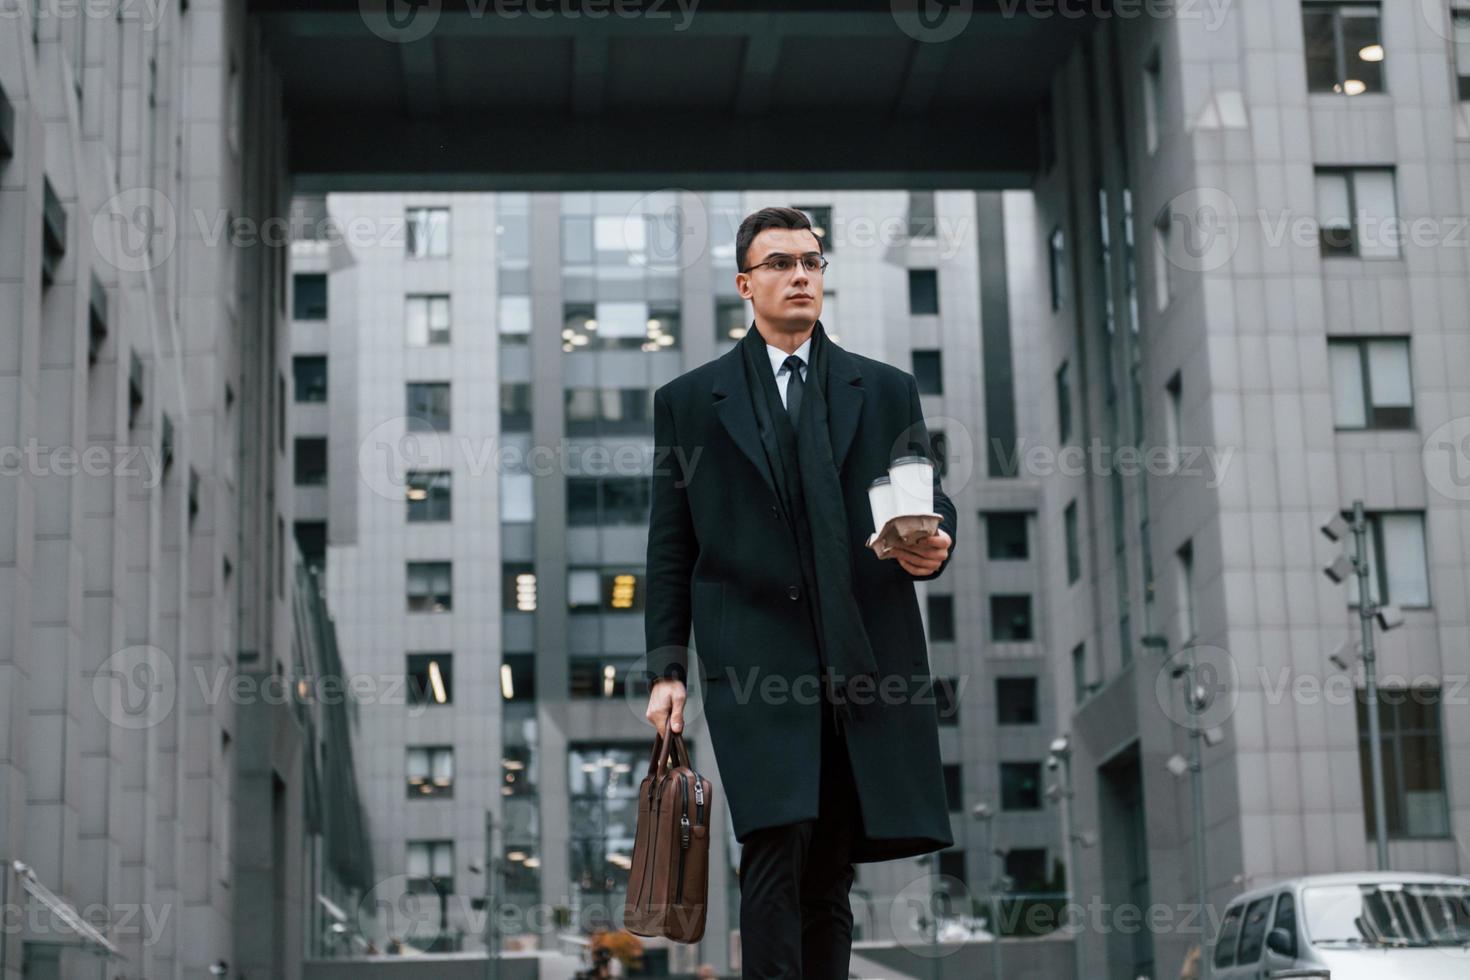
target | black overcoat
[{"x": 721, "y": 558}]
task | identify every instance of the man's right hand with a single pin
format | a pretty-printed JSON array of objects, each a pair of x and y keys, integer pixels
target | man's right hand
[{"x": 665, "y": 702}]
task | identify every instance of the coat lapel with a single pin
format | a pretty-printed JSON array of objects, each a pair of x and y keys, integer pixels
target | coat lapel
[
  {"x": 844, "y": 399},
  {"x": 736, "y": 413},
  {"x": 732, "y": 406}
]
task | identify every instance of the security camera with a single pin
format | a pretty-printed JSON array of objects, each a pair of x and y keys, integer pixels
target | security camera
[
  {"x": 1389, "y": 617},
  {"x": 219, "y": 968},
  {"x": 1337, "y": 528},
  {"x": 1340, "y": 570}
]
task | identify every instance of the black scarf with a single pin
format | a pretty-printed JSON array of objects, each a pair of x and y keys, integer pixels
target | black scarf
[{"x": 806, "y": 477}]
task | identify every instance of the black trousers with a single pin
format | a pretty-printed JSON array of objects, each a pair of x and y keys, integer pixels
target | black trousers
[{"x": 795, "y": 918}]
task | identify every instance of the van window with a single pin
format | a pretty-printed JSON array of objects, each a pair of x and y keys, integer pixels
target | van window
[
  {"x": 1229, "y": 933},
  {"x": 1286, "y": 919},
  {"x": 1253, "y": 932}
]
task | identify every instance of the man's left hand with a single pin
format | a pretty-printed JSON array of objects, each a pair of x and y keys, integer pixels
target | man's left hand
[{"x": 924, "y": 556}]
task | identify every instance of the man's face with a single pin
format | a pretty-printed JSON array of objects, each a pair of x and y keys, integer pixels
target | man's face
[{"x": 792, "y": 299}]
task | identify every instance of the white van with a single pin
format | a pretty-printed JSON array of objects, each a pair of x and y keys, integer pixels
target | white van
[{"x": 1368, "y": 926}]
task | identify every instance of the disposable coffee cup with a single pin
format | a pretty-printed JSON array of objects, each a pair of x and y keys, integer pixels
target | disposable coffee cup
[
  {"x": 880, "y": 500},
  {"x": 913, "y": 485}
]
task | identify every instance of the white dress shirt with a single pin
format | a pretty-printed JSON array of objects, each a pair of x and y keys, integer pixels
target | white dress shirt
[{"x": 783, "y": 374}]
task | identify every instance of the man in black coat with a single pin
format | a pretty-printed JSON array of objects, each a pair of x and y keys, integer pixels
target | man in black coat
[{"x": 811, "y": 649}]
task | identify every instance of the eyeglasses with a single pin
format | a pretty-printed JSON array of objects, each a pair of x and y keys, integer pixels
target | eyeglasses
[{"x": 813, "y": 262}]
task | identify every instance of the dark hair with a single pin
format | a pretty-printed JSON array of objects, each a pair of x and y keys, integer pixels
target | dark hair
[{"x": 765, "y": 218}]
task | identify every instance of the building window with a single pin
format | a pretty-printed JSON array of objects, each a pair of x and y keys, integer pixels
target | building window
[
  {"x": 928, "y": 372},
  {"x": 821, "y": 218},
  {"x": 514, "y": 317},
  {"x": 603, "y": 782},
  {"x": 1357, "y": 214},
  {"x": 941, "y": 618},
  {"x": 166, "y": 442},
  {"x": 609, "y": 411},
  {"x": 1173, "y": 417},
  {"x": 430, "y": 771},
  {"x": 53, "y": 232},
  {"x": 939, "y": 449},
  {"x": 1412, "y": 747},
  {"x": 732, "y": 318},
  {"x": 1371, "y": 384},
  {"x": 311, "y": 541},
  {"x": 952, "y": 864},
  {"x": 430, "y": 586},
  {"x": 947, "y": 701},
  {"x": 517, "y": 683},
  {"x": 954, "y": 790},
  {"x": 1344, "y": 47},
  {"x": 923, "y": 292},
  {"x": 601, "y": 676},
  {"x": 518, "y": 589},
  {"x": 1016, "y": 701},
  {"x": 515, "y": 407},
  {"x": 427, "y": 320},
  {"x": 310, "y": 375},
  {"x": 620, "y": 324},
  {"x": 607, "y": 500},
  {"x": 1184, "y": 587},
  {"x": 1398, "y": 567},
  {"x": 605, "y": 590},
  {"x": 427, "y": 406},
  {"x": 311, "y": 461},
  {"x": 1026, "y": 867},
  {"x": 309, "y": 296},
  {"x": 97, "y": 310},
  {"x": 1020, "y": 786},
  {"x": 1460, "y": 26},
  {"x": 430, "y": 867},
  {"x": 1006, "y": 536},
  {"x": 1057, "y": 266},
  {"x": 430, "y": 679},
  {"x": 1073, "y": 542},
  {"x": 1163, "y": 289},
  {"x": 427, "y": 232},
  {"x": 1153, "y": 99},
  {"x": 922, "y": 220},
  {"x": 281, "y": 411},
  {"x": 1081, "y": 686},
  {"x": 430, "y": 495},
  {"x": 135, "y": 389},
  {"x": 517, "y": 498},
  {"x": 1010, "y": 618},
  {"x": 1064, "y": 404}
]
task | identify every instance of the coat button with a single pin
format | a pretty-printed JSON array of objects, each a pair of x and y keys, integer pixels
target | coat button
[
  {"x": 794, "y": 592},
  {"x": 775, "y": 513}
]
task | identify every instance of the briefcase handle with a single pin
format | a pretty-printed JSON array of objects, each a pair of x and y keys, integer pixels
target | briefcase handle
[{"x": 670, "y": 741}]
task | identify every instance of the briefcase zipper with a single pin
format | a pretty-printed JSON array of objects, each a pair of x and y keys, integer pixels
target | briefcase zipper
[
  {"x": 698, "y": 799},
  {"x": 683, "y": 838},
  {"x": 653, "y": 849}
]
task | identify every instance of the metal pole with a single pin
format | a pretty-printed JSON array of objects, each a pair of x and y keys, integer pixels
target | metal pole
[
  {"x": 996, "y": 967},
  {"x": 492, "y": 926},
  {"x": 1197, "y": 794},
  {"x": 1069, "y": 879},
  {"x": 1370, "y": 673}
]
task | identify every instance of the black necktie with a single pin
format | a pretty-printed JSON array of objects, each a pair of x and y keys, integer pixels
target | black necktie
[{"x": 794, "y": 388}]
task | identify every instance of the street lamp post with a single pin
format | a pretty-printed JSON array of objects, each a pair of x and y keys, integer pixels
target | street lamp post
[
  {"x": 985, "y": 816},
  {"x": 492, "y": 926},
  {"x": 1061, "y": 760},
  {"x": 1196, "y": 700},
  {"x": 1367, "y": 611}
]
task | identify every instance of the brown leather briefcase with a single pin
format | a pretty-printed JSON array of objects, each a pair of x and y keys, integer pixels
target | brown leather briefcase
[{"x": 668, "y": 883}]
